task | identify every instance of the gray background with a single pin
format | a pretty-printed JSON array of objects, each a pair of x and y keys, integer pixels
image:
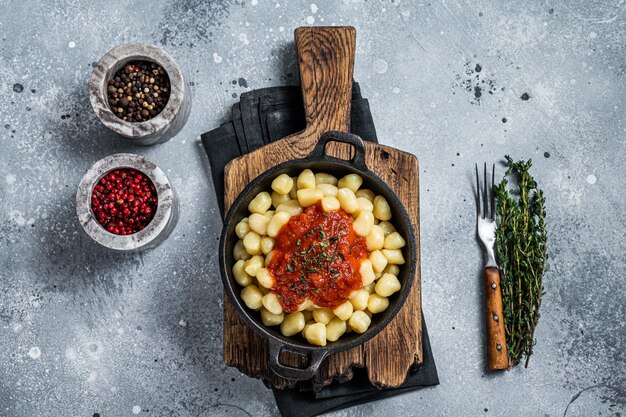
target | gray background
[{"x": 84, "y": 331}]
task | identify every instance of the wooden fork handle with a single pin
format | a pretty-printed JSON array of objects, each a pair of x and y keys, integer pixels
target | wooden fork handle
[{"x": 498, "y": 357}]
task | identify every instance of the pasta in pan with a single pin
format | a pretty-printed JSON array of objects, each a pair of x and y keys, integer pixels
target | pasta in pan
[{"x": 318, "y": 256}]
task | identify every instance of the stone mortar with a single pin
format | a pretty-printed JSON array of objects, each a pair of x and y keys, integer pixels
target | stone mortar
[
  {"x": 155, "y": 232},
  {"x": 161, "y": 127}
]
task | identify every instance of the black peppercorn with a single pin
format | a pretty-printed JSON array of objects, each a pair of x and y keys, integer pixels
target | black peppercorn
[{"x": 138, "y": 91}]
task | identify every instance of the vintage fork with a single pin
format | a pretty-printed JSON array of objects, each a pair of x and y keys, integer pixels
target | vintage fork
[{"x": 486, "y": 225}]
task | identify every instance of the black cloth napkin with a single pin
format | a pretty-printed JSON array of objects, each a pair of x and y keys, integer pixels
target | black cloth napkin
[{"x": 263, "y": 116}]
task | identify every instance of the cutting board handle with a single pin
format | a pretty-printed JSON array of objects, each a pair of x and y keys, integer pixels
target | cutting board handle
[{"x": 326, "y": 60}]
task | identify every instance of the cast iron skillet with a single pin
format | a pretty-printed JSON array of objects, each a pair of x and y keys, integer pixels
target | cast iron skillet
[{"x": 317, "y": 161}]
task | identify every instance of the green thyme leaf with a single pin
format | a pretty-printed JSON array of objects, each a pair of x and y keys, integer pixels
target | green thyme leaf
[{"x": 521, "y": 246}]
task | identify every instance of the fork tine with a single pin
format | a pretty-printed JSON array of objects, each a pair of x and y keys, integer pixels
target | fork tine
[
  {"x": 477, "y": 192},
  {"x": 485, "y": 195},
  {"x": 493, "y": 196}
]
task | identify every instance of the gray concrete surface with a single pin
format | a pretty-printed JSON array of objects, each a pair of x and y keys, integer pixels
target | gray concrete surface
[{"x": 84, "y": 331}]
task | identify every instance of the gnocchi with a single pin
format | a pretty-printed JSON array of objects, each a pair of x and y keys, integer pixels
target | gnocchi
[
  {"x": 306, "y": 179},
  {"x": 347, "y": 200},
  {"x": 335, "y": 329},
  {"x": 252, "y": 243},
  {"x": 365, "y": 193},
  {"x": 387, "y": 285},
  {"x": 261, "y": 203},
  {"x": 271, "y": 319},
  {"x": 252, "y": 265},
  {"x": 351, "y": 181},
  {"x": 329, "y": 190},
  {"x": 258, "y": 223},
  {"x": 382, "y": 211},
  {"x": 316, "y": 334},
  {"x": 292, "y": 324},
  {"x": 324, "y": 178},
  {"x": 377, "y": 304},
  {"x": 283, "y": 285},
  {"x": 278, "y": 199},
  {"x": 242, "y": 228},
  {"x": 282, "y": 184},
  {"x": 360, "y": 321},
  {"x": 241, "y": 276}
]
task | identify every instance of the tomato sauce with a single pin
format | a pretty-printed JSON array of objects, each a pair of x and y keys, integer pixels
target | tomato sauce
[{"x": 317, "y": 257}]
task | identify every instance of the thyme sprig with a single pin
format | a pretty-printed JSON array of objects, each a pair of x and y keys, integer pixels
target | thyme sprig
[{"x": 522, "y": 254}]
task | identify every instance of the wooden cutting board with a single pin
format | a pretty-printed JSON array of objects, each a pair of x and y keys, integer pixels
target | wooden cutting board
[{"x": 326, "y": 60}]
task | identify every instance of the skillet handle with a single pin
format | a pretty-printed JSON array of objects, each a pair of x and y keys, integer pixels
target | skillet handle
[
  {"x": 358, "y": 160},
  {"x": 297, "y": 374}
]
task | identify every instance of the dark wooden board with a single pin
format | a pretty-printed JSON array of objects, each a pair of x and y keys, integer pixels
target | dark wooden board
[{"x": 326, "y": 59}]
